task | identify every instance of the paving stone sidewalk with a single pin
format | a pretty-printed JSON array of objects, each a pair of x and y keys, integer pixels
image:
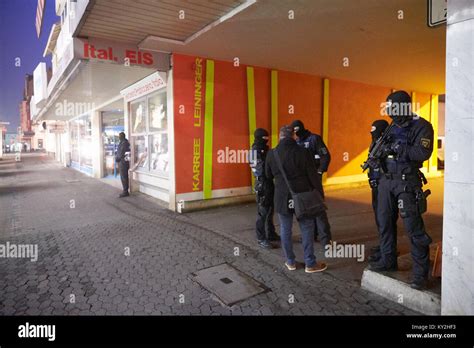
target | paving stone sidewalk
[{"x": 100, "y": 255}]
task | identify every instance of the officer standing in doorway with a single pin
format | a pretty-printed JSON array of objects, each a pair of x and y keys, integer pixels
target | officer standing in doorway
[
  {"x": 320, "y": 153},
  {"x": 264, "y": 189},
  {"x": 400, "y": 188},
  {"x": 122, "y": 157}
]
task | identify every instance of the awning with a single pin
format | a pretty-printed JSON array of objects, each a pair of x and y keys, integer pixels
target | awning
[
  {"x": 89, "y": 85},
  {"x": 52, "y": 39}
]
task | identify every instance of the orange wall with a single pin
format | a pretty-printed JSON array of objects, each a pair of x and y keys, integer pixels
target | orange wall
[
  {"x": 305, "y": 94},
  {"x": 352, "y": 109},
  {"x": 186, "y": 131},
  {"x": 231, "y": 125}
]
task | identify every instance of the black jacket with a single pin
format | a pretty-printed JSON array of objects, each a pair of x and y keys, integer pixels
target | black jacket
[
  {"x": 263, "y": 186},
  {"x": 299, "y": 168},
  {"x": 415, "y": 145},
  {"x": 315, "y": 144},
  {"x": 123, "y": 147}
]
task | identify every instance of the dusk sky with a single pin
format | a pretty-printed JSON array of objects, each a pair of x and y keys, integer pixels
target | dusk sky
[{"x": 18, "y": 39}]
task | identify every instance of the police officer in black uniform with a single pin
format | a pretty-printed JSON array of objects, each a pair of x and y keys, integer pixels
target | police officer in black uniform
[
  {"x": 374, "y": 173},
  {"x": 400, "y": 188},
  {"x": 319, "y": 151},
  {"x": 122, "y": 158},
  {"x": 264, "y": 190}
]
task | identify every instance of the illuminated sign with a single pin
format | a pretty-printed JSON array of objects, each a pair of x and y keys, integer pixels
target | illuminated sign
[
  {"x": 117, "y": 53},
  {"x": 146, "y": 86}
]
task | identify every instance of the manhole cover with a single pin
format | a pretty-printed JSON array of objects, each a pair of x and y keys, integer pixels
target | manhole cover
[{"x": 228, "y": 284}]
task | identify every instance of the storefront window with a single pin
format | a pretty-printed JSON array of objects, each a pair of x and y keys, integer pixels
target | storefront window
[
  {"x": 157, "y": 112},
  {"x": 85, "y": 141},
  {"x": 140, "y": 152},
  {"x": 149, "y": 130},
  {"x": 81, "y": 143},
  {"x": 137, "y": 111},
  {"x": 159, "y": 153},
  {"x": 74, "y": 141}
]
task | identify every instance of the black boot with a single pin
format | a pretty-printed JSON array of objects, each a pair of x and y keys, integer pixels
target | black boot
[
  {"x": 419, "y": 284},
  {"x": 379, "y": 266}
]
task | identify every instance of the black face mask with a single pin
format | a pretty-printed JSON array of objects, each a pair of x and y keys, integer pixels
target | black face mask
[
  {"x": 399, "y": 108},
  {"x": 259, "y": 135},
  {"x": 298, "y": 126}
]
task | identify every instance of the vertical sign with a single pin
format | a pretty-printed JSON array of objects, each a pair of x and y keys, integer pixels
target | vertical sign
[
  {"x": 437, "y": 12},
  {"x": 39, "y": 16}
]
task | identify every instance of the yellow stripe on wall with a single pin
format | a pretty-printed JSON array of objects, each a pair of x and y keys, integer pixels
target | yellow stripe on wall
[
  {"x": 251, "y": 110},
  {"x": 208, "y": 129},
  {"x": 274, "y": 97},
  {"x": 251, "y": 103},
  {"x": 325, "y": 126}
]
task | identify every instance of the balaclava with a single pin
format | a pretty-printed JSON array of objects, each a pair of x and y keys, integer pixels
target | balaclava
[
  {"x": 378, "y": 127},
  {"x": 261, "y": 136},
  {"x": 298, "y": 127},
  {"x": 399, "y": 107}
]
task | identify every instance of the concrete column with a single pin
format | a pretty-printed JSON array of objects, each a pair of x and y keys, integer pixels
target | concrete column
[{"x": 458, "y": 227}]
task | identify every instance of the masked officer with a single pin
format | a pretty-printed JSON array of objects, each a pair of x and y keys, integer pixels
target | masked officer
[
  {"x": 264, "y": 189},
  {"x": 122, "y": 158},
  {"x": 400, "y": 188},
  {"x": 319, "y": 151},
  {"x": 376, "y": 131}
]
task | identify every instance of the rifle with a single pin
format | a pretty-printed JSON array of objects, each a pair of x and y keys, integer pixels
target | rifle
[{"x": 378, "y": 149}]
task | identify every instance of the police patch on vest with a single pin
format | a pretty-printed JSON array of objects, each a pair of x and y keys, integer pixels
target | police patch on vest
[{"x": 425, "y": 143}]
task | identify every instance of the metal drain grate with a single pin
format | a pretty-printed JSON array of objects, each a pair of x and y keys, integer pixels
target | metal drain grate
[{"x": 228, "y": 284}]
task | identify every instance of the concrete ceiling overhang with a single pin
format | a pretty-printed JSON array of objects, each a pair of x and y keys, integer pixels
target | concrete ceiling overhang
[
  {"x": 92, "y": 86},
  {"x": 386, "y": 42},
  {"x": 176, "y": 21}
]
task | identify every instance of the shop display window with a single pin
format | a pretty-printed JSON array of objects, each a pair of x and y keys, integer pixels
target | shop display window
[
  {"x": 140, "y": 152},
  {"x": 157, "y": 112},
  {"x": 159, "y": 153},
  {"x": 138, "y": 117},
  {"x": 81, "y": 141},
  {"x": 149, "y": 132}
]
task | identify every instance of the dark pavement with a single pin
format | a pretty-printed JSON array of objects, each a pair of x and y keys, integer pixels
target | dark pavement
[{"x": 98, "y": 254}]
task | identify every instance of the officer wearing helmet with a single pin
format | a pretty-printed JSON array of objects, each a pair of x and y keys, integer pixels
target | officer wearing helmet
[
  {"x": 264, "y": 190},
  {"x": 400, "y": 188}
]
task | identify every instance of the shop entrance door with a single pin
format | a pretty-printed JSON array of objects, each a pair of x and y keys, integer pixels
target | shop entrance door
[{"x": 112, "y": 125}]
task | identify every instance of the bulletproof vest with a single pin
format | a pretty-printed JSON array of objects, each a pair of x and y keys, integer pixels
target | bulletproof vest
[
  {"x": 308, "y": 142},
  {"x": 401, "y": 165}
]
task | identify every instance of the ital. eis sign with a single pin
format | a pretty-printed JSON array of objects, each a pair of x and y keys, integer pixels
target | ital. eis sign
[{"x": 113, "y": 52}]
